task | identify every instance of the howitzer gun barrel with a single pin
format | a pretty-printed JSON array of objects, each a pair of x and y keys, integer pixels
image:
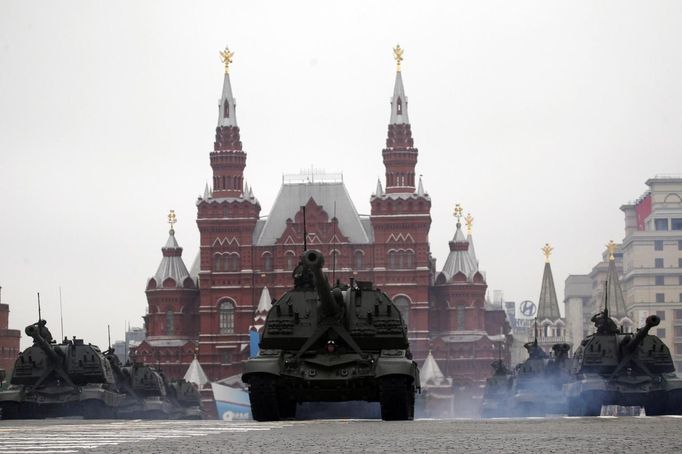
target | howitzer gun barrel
[
  {"x": 314, "y": 260},
  {"x": 34, "y": 332},
  {"x": 651, "y": 321}
]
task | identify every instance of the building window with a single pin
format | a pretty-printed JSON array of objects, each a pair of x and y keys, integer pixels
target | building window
[
  {"x": 679, "y": 245},
  {"x": 679, "y": 263},
  {"x": 225, "y": 212},
  {"x": 225, "y": 357},
  {"x": 676, "y": 224},
  {"x": 660, "y": 297},
  {"x": 658, "y": 245},
  {"x": 226, "y": 314},
  {"x": 678, "y": 331},
  {"x": 226, "y": 109},
  {"x": 658, "y": 263},
  {"x": 679, "y": 279},
  {"x": 678, "y": 349},
  {"x": 403, "y": 305},
  {"x": 401, "y": 259},
  {"x": 659, "y": 280},
  {"x": 678, "y": 314},
  {"x": 267, "y": 262},
  {"x": 359, "y": 260},
  {"x": 289, "y": 257},
  {"x": 661, "y": 224},
  {"x": 170, "y": 328},
  {"x": 660, "y": 332},
  {"x": 218, "y": 263},
  {"x": 461, "y": 318},
  {"x": 680, "y": 298},
  {"x": 661, "y": 315}
]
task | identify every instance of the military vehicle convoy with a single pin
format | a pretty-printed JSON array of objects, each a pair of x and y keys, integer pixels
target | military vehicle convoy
[
  {"x": 497, "y": 392},
  {"x": 77, "y": 379},
  {"x": 612, "y": 367},
  {"x": 65, "y": 379},
  {"x": 321, "y": 344}
]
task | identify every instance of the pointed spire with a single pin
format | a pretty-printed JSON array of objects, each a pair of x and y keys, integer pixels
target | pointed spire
[
  {"x": 548, "y": 305},
  {"x": 228, "y": 160},
  {"x": 207, "y": 193},
  {"x": 264, "y": 305},
  {"x": 227, "y": 114},
  {"x": 400, "y": 156},
  {"x": 379, "y": 192},
  {"x": 172, "y": 265},
  {"x": 420, "y": 188},
  {"x": 469, "y": 220},
  {"x": 614, "y": 294},
  {"x": 459, "y": 259}
]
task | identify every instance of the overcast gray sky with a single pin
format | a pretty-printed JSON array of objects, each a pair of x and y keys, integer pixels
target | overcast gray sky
[{"x": 541, "y": 118}]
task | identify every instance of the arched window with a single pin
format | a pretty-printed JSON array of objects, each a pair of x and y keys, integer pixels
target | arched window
[
  {"x": 226, "y": 314},
  {"x": 403, "y": 305},
  {"x": 218, "y": 263},
  {"x": 359, "y": 260},
  {"x": 400, "y": 106},
  {"x": 392, "y": 260},
  {"x": 226, "y": 109},
  {"x": 289, "y": 256},
  {"x": 267, "y": 262},
  {"x": 170, "y": 327},
  {"x": 334, "y": 259}
]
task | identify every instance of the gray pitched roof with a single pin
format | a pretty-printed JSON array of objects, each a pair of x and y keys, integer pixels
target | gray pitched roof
[
  {"x": 294, "y": 195},
  {"x": 548, "y": 305},
  {"x": 460, "y": 258},
  {"x": 171, "y": 265}
]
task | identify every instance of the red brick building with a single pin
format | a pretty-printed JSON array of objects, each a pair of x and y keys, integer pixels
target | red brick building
[
  {"x": 9, "y": 339},
  {"x": 243, "y": 252}
]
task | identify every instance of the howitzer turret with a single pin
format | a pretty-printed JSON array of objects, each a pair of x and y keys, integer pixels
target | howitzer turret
[
  {"x": 65, "y": 379},
  {"x": 651, "y": 321},
  {"x": 314, "y": 349},
  {"x": 612, "y": 367}
]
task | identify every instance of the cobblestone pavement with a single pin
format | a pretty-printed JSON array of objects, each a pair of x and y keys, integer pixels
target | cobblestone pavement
[{"x": 574, "y": 435}]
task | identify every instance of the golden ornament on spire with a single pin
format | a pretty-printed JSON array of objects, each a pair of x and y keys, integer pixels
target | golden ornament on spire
[
  {"x": 458, "y": 212},
  {"x": 547, "y": 250},
  {"x": 612, "y": 249},
  {"x": 469, "y": 221},
  {"x": 226, "y": 57},
  {"x": 171, "y": 218},
  {"x": 398, "y": 55}
]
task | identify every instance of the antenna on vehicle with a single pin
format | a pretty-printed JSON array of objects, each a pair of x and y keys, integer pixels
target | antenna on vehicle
[
  {"x": 109, "y": 335},
  {"x": 39, "y": 316},
  {"x": 305, "y": 233},
  {"x": 606, "y": 299},
  {"x": 334, "y": 246},
  {"x": 535, "y": 330},
  {"x": 61, "y": 314}
]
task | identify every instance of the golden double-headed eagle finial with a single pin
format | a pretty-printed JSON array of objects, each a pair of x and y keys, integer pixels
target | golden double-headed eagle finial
[
  {"x": 547, "y": 250},
  {"x": 398, "y": 55},
  {"x": 171, "y": 218},
  {"x": 469, "y": 221},
  {"x": 458, "y": 212},
  {"x": 612, "y": 249},
  {"x": 226, "y": 57}
]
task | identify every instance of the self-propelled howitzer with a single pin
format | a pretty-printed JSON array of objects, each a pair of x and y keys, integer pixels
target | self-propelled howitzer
[
  {"x": 612, "y": 367},
  {"x": 323, "y": 344},
  {"x": 65, "y": 379}
]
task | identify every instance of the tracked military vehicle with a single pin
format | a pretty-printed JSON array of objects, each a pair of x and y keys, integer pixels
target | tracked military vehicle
[
  {"x": 320, "y": 344},
  {"x": 66, "y": 379},
  {"x": 497, "y": 392},
  {"x": 186, "y": 400},
  {"x": 612, "y": 367},
  {"x": 538, "y": 381}
]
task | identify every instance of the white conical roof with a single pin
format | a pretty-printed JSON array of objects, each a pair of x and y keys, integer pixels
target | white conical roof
[
  {"x": 430, "y": 372},
  {"x": 195, "y": 374},
  {"x": 265, "y": 302}
]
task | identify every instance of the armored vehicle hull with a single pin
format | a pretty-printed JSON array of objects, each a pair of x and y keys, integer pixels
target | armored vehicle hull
[
  {"x": 616, "y": 368},
  {"x": 67, "y": 379},
  {"x": 331, "y": 345}
]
